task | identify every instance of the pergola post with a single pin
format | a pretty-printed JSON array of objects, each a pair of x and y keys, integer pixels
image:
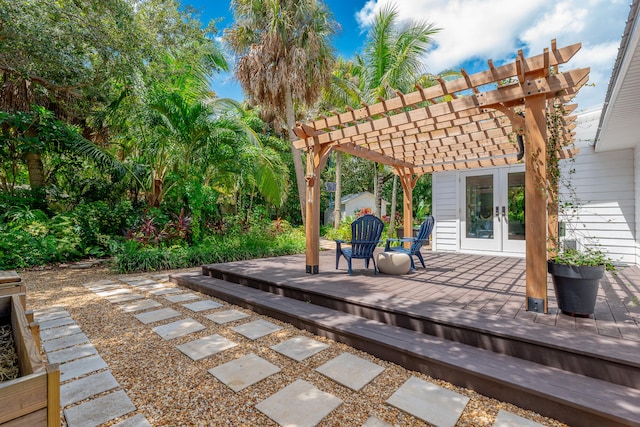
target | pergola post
[
  {"x": 316, "y": 160},
  {"x": 536, "y": 201},
  {"x": 408, "y": 183}
]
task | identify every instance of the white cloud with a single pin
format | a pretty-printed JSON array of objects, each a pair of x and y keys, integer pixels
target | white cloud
[{"x": 478, "y": 30}]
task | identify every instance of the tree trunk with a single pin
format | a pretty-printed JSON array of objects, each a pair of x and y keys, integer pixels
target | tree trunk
[
  {"x": 377, "y": 192},
  {"x": 35, "y": 169},
  {"x": 295, "y": 153},
  {"x": 337, "y": 210},
  {"x": 394, "y": 197}
]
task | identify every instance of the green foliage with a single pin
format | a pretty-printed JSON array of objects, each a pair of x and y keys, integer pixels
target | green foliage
[
  {"x": 586, "y": 257},
  {"x": 260, "y": 240}
]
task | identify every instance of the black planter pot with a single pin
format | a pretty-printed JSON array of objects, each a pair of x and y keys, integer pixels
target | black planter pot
[{"x": 576, "y": 287}]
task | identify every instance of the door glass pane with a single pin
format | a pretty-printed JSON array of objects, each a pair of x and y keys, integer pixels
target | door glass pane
[
  {"x": 479, "y": 201},
  {"x": 516, "y": 206}
]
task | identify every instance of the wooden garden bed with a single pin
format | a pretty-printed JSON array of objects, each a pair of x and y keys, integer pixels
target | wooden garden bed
[{"x": 32, "y": 399}]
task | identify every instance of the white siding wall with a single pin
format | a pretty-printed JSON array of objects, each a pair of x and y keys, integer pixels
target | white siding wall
[
  {"x": 445, "y": 211},
  {"x": 637, "y": 199},
  {"x": 604, "y": 186}
]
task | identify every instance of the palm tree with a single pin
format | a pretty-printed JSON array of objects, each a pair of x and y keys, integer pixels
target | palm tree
[{"x": 285, "y": 58}]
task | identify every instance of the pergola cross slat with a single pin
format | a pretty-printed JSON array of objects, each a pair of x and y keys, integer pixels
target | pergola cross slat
[{"x": 469, "y": 122}]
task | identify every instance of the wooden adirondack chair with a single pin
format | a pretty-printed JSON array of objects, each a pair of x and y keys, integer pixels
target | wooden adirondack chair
[
  {"x": 365, "y": 236},
  {"x": 416, "y": 242}
]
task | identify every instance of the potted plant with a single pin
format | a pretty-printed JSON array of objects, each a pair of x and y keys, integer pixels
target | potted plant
[
  {"x": 577, "y": 268},
  {"x": 576, "y": 277}
]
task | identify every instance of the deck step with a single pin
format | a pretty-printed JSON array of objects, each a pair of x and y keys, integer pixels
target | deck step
[
  {"x": 572, "y": 398},
  {"x": 609, "y": 359}
]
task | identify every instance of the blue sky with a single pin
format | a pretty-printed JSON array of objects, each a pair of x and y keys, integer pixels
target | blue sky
[{"x": 473, "y": 31}]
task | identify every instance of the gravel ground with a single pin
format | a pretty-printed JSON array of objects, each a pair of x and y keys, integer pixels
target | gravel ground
[{"x": 170, "y": 389}]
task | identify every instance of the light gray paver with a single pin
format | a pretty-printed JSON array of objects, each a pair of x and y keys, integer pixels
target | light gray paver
[
  {"x": 72, "y": 353},
  {"x": 187, "y": 296},
  {"x": 80, "y": 367},
  {"x": 508, "y": 419},
  {"x": 160, "y": 277},
  {"x": 153, "y": 286},
  {"x": 141, "y": 282},
  {"x": 350, "y": 371},
  {"x": 299, "y": 404},
  {"x": 206, "y": 346},
  {"x": 140, "y": 305},
  {"x": 374, "y": 421},
  {"x": 136, "y": 421},
  {"x": 75, "y": 391},
  {"x": 64, "y": 342},
  {"x": 226, "y": 316},
  {"x": 299, "y": 348},
  {"x": 429, "y": 402},
  {"x": 111, "y": 292},
  {"x": 256, "y": 329},
  {"x": 99, "y": 283},
  {"x": 243, "y": 372},
  {"x": 51, "y": 315},
  {"x": 100, "y": 410},
  {"x": 55, "y": 323},
  {"x": 165, "y": 291},
  {"x": 63, "y": 331},
  {"x": 202, "y": 305},
  {"x": 157, "y": 315},
  {"x": 129, "y": 279},
  {"x": 178, "y": 328},
  {"x": 117, "y": 299}
]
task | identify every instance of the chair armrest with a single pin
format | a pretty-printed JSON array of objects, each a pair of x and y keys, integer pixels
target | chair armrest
[
  {"x": 339, "y": 241},
  {"x": 387, "y": 244}
]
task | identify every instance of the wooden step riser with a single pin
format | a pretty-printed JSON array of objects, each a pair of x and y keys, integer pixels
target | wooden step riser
[{"x": 562, "y": 358}]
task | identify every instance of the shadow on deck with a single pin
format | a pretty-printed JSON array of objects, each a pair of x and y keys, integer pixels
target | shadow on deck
[{"x": 462, "y": 319}]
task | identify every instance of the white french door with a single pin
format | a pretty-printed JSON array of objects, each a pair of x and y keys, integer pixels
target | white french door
[{"x": 492, "y": 210}]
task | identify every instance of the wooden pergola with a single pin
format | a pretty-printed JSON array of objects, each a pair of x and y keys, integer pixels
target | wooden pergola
[{"x": 470, "y": 122}]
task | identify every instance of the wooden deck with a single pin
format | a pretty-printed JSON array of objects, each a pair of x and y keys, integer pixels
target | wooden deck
[
  {"x": 485, "y": 284},
  {"x": 462, "y": 319}
]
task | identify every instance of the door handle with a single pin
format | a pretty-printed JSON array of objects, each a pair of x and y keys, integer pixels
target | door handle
[
  {"x": 497, "y": 212},
  {"x": 504, "y": 211}
]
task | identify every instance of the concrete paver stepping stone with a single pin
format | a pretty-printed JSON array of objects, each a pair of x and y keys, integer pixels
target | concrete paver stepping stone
[
  {"x": 350, "y": 371},
  {"x": 56, "y": 323},
  {"x": 160, "y": 277},
  {"x": 80, "y": 367},
  {"x": 111, "y": 292},
  {"x": 299, "y": 404},
  {"x": 129, "y": 279},
  {"x": 100, "y": 410},
  {"x": 153, "y": 286},
  {"x": 117, "y": 299},
  {"x": 104, "y": 288},
  {"x": 374, "y": 421},
  {"x": 141, "y": 282},
  {"x": 226, "y": 316},
  {"x": 62, "y": 331},
  {"x": 243, "y": 372},
  {"x": 165, "y": 291},
  {"x": 51, "y": 315},
  {"x": 299, "y": 348},
  {"x": 508, "y": 419},
  {"x": 429, "y": 402},
  {"x": 256, "y": 329},
  {"x": 207, "y": 346},
  {"x": 99, "y": 283},
  {"x": 157, "y": 315},
  {"x": 140, "y": 305},
  {"x": 138, "y": 420},
  {"x": 75, "y": 391},
  {"x": 64, "y": 342},
  {"x": 187, "y": 296},
  {"x": 178, "y": 328},
  {"x": 202, "y": 305},
  {"x": 72, "y": 353}
]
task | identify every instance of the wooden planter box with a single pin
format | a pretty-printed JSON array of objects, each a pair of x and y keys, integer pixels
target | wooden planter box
[{"x": 32, "y": 399}]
